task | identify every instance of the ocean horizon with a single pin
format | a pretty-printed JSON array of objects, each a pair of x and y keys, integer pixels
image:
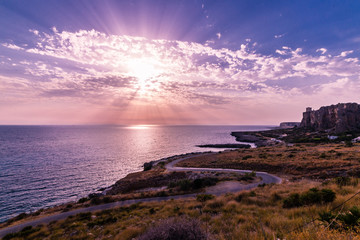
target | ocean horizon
[{"x": 46, "y": 165}]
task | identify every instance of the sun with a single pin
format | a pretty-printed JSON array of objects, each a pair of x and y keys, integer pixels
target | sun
[{"x": 144, "y": 69}]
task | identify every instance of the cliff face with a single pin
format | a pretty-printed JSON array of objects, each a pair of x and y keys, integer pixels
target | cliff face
[{"x": 335, "y": 118}]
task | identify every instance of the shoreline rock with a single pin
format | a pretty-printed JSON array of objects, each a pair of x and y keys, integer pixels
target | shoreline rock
[{"x": 229, "y": 145}]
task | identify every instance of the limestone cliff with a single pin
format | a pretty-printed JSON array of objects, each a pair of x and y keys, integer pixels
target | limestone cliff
[{"x": 337, "y": 118}]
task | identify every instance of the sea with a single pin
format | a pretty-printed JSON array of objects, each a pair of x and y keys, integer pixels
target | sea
[{"x": 44, "y": 166}]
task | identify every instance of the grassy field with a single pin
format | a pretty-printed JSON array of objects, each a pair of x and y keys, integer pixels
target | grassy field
[
  {"x": 318, "y": 179},
  {"x": 316, "y": 161},
  {"x": 257, "y": 214}
]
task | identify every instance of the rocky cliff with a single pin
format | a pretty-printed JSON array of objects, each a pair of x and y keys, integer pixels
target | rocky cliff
[{"x": 337, "y": 118}]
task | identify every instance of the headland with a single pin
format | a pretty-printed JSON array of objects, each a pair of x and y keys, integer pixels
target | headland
[{"x": 316, "y": 198}]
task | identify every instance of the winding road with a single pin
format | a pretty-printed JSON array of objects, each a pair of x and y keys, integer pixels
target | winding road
[{"x": 223, "y": 188}]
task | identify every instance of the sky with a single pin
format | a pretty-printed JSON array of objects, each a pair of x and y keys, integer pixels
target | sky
[{"x": 246, "y": 62}]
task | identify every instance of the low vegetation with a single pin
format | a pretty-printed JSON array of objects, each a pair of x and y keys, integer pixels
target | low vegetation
[
  {"x": 255, "y": 214},
  {"x": 316, "y": 161},
  {"x": 317, "y": 200},
  {"x": 311, "y": 197},
  {"x": 176, "y": 228}
]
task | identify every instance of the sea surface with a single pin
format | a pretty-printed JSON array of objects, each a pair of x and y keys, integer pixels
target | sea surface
[{"x": 43, "y": 166}]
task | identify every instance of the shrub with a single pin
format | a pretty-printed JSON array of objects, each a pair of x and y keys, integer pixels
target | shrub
[
  {"x": 95, "y": 201},
  {"x": 175, "y": 229},
  {"x": 161, "y": 194},
  {"x": 82, "y": 200},
  {"x": 310, "y": 197},
  {"x": 339, "y": 154},
  {"x": 148, "y": 166},
  {"x": 327, "y": 195},
  {"x": 275, "y": 197},
  {"x": 204, "y": 197},
  {"x": 350, "y": 219},
  {"x": 239, "y": 197},
  {"x": 347, "y": 221},
  {"x": 248, "y": 176},
  {"x": 246, "y": 157},
  {"x": 292, "y": 201},
  {"x": 26, "y": 231},
  {"x": 263, "y": 155},
  {"x": 185, "y": 185},
  {"x": 342, "y": 181},
  {"x": 215, "y": 204},
  {"x": 84, "y": 216},
  {"x": 204, "y": 182},
  {"x": 107, "y": 199},
  {"x": 348, "y": 144},
  {"x": 313, "y": 196}
]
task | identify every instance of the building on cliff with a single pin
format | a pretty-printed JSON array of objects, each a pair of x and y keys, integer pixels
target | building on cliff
[{"x": 338, "y": 118}]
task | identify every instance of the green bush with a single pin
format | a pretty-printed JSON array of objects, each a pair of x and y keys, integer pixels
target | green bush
[
  {"x": 349, "y": 220},
  {"x": 186, "y": 184},
  {"x": 82, "y": 200},
  {"x": 292, "y": 201},
  {"x": 342, "y": 181},
  {"x": 313, "y": 196},
  {"x": 327, "y": 195},
  {"x": 248, "y": 176},
  {"x": 204, "y": 197}
]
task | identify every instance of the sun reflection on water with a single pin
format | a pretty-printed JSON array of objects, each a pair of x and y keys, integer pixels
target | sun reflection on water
[{"x": 139, "y": 127}]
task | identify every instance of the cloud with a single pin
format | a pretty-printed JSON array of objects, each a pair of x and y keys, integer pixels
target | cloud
[
  {"x": 36, "y": 32},
  {"x": 345, "y": 53},
  {"x": 322, "y": 50},
  {"x": 279, "y": 36},
  {"x": 116, "y": 70},
  {"x": 12, "y": 46}
]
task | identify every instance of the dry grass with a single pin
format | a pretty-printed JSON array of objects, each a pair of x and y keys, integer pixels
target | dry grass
[
  {"x": 301, "y": 160},
  {"x": 257, "y": 214}
]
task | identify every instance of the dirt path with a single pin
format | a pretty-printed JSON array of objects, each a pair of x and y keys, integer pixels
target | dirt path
[{"x": 219, "y": 189}]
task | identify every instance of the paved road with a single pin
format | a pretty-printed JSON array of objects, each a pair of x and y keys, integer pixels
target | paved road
[{"x": 266, "y": 178}]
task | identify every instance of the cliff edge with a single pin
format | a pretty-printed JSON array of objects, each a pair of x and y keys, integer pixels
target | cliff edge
[{"x": 339, "y": 118}]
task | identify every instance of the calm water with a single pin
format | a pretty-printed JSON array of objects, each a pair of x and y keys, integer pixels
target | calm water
[{"x": 42, "y": 166}]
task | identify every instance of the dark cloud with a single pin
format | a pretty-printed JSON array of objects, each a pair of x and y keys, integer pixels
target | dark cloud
[
  {"x": 109, "y": 81},
  {"x": 209, "y": 99},
  {"x": 61, "y": 93}
]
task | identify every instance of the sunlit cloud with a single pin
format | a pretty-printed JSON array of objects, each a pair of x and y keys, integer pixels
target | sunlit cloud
[{"x": 128, "y": 73}]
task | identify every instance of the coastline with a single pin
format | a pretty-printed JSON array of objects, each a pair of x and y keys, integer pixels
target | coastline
[
  {"x": 81, "y": 159},
  {"x": 170, "y": 166},
  {"x": 299, "y": 179}
]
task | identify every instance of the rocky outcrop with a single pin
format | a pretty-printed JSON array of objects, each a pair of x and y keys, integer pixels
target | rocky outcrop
[
  {"x": 289, "y": 124},
  {"x": 337, "y": 118}
]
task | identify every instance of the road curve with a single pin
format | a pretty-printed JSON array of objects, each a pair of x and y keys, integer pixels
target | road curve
[{"x": 266, "y": 178}]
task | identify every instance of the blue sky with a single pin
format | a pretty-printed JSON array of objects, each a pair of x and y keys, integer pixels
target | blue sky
[{"x": 175, "y": 62}]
